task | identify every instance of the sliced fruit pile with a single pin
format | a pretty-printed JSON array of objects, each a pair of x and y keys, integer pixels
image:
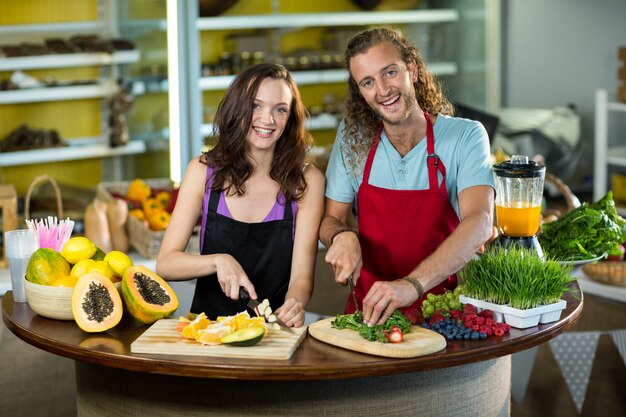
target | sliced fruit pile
[{"x": 237, "y": 330}]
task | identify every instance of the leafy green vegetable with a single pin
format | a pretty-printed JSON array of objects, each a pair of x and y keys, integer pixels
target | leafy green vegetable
[
  {"x": 354, "y": 321},
  {"x": 515, "y": 276},
  {"x": 585, "y": 232}
]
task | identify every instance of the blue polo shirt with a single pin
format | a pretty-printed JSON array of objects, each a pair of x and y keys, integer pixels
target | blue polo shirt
[{"x": 461, "y": 144}]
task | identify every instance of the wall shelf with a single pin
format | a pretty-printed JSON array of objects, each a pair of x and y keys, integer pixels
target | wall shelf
[
  {"x": 77, "y": 92},
  {"x": 69, "y": 153},
  {"x": 295, "y": 20},
  {"x": 68, "y": 60},
  {"x": 59, "y": 27},
  {"x": 222, "y": 82}
]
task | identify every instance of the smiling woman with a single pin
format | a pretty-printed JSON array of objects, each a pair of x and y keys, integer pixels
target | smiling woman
[{"x": 260, "y": 203}]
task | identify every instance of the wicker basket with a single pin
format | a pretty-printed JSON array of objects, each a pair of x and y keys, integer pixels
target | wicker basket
[
  {"x": 607, "y": 272},
  {"x": 104, "y": 190}
]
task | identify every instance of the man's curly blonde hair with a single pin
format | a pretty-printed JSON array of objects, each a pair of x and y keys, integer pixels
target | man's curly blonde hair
[{"x": 361, "y": 122}]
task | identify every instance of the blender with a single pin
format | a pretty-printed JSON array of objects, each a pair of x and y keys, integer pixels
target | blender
[{"x": 519, "y": 192}]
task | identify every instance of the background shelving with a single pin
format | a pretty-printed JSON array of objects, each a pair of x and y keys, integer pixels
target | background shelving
[{"x": 606, "y": 154}]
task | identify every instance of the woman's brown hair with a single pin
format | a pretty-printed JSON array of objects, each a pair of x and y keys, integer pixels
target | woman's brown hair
[
  {"x": 361, "y": 122},
  {"x": 232, "y": 121}
]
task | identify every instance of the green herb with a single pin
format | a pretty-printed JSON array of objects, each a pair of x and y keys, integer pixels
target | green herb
[
  {"x": 586, "y": 232},
  {"x": 515, "y": 276},
  {"x": 375, "y": 333}
]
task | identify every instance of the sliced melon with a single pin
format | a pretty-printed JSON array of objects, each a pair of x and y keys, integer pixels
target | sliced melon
[
  {"x": 146, "y": 295},
  {"x": 248, "y": 336},
  {"x": 96, "y": 303}
]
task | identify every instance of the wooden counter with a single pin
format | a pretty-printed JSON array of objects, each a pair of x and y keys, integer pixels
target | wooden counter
[{"x": 104, "y": 360}]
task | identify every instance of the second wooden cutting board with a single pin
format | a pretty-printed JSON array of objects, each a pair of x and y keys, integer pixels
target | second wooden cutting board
[{"x": 417, "y": 343}]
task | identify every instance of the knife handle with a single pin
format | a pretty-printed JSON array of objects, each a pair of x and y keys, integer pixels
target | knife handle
[{"x": 243, "y": 294}]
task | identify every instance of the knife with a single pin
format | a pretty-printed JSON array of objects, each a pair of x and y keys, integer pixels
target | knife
[
  {"x": 356, "y": 304},
  {"x": 252, "y": 304}
]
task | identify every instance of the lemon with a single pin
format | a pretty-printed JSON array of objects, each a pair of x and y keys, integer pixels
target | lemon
[
  {"x": 103, "y": 267},
  {"x": 78, "y": 248},
  {"x": 82, "y": 267},
  {"x": 118, "y": 261},
  {"x": 66, "y": 281}
]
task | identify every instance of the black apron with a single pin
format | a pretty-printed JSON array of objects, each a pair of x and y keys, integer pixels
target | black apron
[{"x": 264, "y": 251}]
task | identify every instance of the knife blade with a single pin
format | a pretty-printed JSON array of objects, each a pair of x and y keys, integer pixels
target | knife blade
[
  {"x": 252, "y": 304},
  {"x": 351, "y": 283}
]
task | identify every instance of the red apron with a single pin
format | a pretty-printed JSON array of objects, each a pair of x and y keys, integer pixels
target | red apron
[{"x": 398, "y": 229}]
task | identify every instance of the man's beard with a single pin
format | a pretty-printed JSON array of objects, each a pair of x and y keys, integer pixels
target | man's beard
[{"x": 409, "y": 106}]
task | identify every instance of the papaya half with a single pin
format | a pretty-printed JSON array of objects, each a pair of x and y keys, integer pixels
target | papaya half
[
  {"x": 147, "y": 296},
  {"x": 96, "y": 303}
]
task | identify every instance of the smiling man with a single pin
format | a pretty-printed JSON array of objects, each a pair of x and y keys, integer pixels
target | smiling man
[{"x": 419, "y": 181}]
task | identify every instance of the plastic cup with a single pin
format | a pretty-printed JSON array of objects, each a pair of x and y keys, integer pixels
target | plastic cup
[{"x": 19, "y": 245}]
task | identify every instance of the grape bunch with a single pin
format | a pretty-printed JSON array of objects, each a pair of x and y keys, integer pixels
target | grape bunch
[{"x": 444, "y": 303}]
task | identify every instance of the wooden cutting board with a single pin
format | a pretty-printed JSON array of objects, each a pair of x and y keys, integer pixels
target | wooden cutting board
[
  {"x": 162, "y": 338},
  {"x": 417, "y": 343}
]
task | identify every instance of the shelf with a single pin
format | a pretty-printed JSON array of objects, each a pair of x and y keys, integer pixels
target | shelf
[
  {"x": 69, "y": 153},
  {"x": 616, "y": 156},
  {"x": 322, "y": 122},
  {"x": 222, "y": 82},
  {"x": 68, "y": 60},
  {"x": 616, "y": 106},
  {"x": 61, "y": 27},
  {"x": 77, "y": 92},
  {"x": 295, "y": 20}
]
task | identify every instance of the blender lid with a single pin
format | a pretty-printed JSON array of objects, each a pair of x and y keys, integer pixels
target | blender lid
[{"x": 519, "y": 166}]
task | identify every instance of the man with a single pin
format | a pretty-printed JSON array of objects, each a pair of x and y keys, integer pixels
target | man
[{"x": 420, "y": 181}]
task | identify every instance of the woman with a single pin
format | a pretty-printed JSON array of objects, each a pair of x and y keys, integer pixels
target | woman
[{"x": 261, "y": 205}]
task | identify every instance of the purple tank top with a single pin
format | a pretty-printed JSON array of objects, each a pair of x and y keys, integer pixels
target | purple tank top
[{"x": 276, "y": 213}]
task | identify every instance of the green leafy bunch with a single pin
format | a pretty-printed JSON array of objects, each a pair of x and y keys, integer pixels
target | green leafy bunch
[
  {"x": 515, "y": 276},
  {"x": 354, "y": 321},
  {"x": 586, "y": 232}
]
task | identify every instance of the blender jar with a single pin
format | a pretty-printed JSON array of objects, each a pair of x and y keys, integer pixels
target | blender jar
[{"x": 519, "y": 192}]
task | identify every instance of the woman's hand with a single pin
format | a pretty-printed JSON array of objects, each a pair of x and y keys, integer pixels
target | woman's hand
[
  {"x": 231, "y": 277},
  {"x": 292, "y": 312}
]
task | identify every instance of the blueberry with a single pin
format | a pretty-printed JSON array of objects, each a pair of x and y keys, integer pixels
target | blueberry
[
  {"x": 475, "y": 336},
  {"x": 449, "y": 336},
  {"x": 458, "y": 336},
  {"x": 425, "y": 325},
  {"x": 483, "y": 336},
  {"x": 466, "y": 336}
]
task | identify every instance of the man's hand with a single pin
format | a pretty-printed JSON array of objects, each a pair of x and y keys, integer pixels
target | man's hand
[
  {"x": 384, "y": 298},
  {"x": 344, "y": 257}
]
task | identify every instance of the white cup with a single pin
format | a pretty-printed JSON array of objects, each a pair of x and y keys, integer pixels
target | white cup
[{"x": 19, "y": 245}]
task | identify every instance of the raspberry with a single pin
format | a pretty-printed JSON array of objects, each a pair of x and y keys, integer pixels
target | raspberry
[
  {"x": 468, "y": 308},
  {"x": 479, "y": 320},
  {"x": 436, "y": 318},
  {"x": 498, "y": 331},
  {"x": 456, "y": 314},
  {"x": 487, "y": 313}
]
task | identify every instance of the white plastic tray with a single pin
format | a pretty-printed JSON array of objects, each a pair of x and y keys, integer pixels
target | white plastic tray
[{"x": 520, "y": 319}]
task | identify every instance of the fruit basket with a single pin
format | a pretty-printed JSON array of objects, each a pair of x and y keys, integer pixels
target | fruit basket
[
  {"x": 145, "y": 240},
  {"x": 106, "y": 190},
  {"x": 607, "y": 272}
]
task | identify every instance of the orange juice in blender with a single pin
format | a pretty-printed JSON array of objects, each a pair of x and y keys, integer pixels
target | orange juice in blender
[
  {"x": 519, "y": 193},
  {"x": 518, "y": 218}
]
